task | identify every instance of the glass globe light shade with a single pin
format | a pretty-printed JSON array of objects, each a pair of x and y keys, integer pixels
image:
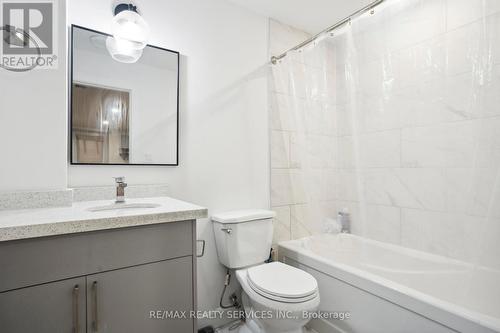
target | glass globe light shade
[
  {"x": 129, "y": 25},
  {"x": 122, "y": 50}
]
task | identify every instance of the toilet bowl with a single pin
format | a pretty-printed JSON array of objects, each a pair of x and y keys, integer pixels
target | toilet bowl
[{"x": 277, "y": 298}]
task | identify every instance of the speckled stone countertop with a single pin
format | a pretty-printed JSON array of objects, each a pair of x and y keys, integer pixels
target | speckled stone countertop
[{"x": 40, "y": 222}]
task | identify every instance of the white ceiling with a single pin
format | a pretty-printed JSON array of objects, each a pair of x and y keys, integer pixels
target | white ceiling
[{"x": 311, "y": 16}]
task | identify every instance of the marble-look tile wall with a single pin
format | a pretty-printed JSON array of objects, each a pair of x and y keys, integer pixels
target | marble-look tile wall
[
  {"x": 412, "y": 149},
  {"x": 286, "y": 199},
  {"x": 303, "y": 141}
]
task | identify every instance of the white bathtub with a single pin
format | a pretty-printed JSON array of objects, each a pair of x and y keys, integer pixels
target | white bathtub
[{"x": 388, "y": 288}]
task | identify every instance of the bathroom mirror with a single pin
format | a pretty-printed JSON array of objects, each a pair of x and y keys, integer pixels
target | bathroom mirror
[{"x": 122, "y": 113}]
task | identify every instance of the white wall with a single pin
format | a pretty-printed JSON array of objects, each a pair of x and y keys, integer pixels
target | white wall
[
  {"x": 33, "y": 123},
  {"x": 223, "y": 112},
  {"x": 223, "y": 116}
]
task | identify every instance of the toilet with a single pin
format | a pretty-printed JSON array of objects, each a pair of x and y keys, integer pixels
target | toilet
[{"x": 277, "y": 296}]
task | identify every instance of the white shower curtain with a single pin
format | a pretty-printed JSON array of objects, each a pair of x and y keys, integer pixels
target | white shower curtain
[{"x": 395, "y": 118}]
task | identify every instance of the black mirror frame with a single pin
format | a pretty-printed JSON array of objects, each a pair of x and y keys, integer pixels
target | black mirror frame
[{"x": 70, "y": 103}]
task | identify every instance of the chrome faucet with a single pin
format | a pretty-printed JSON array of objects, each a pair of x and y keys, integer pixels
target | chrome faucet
[{"x": 120, "y": 189}]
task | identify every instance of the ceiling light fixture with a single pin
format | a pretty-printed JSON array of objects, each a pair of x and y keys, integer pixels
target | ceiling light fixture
[{"x": 130, "y": 34}]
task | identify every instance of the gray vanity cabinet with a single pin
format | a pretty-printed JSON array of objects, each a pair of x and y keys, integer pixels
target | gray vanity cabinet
[
  {"x": 122, "y": 276},
  {"x": 57, "y": 307},
  {"x": 122, "y": 300}
]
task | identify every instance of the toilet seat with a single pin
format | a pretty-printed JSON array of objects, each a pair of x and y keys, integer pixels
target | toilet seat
[{"x": 282, "y": 283}]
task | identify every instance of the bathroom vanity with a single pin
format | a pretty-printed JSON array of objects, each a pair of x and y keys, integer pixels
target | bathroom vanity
[{"x": 93, "y": 267}]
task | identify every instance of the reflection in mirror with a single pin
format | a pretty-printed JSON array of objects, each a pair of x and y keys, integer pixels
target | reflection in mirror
[
  {"x": 122, "y": 113},
  {"x": 100, "y": 124}
]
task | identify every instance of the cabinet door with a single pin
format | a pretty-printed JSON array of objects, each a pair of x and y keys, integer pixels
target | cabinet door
[
  {"x": 57, "y": 307},
  {"x": 123, "y": 300}
]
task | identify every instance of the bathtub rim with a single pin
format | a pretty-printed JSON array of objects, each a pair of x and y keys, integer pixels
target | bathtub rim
[{"x": 443, "y": 312}]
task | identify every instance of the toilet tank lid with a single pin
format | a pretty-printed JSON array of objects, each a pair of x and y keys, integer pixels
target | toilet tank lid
[{"x": 246, "y": 215}]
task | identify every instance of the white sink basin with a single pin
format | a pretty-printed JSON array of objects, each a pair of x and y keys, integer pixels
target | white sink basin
[{"x": 119, "y": 206}]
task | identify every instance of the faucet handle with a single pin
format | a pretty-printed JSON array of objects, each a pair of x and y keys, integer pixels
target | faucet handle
[{"x": 119, "y": 179}]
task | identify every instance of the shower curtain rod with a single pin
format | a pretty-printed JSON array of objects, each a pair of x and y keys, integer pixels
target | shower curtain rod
[{"x": 371, "y": 6}]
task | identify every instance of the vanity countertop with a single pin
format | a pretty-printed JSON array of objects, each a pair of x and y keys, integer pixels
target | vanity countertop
[{"x": 31, "y": 223}]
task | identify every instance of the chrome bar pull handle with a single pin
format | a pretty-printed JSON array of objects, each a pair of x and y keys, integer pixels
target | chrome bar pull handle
[
  {"x": 76, "y": 312},
  {"x": 203, "y": 243},
  {"x": 95, "y": 320}
]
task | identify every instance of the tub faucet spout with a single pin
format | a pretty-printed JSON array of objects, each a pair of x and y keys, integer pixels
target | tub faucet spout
[{"x": 344, "y": 220}]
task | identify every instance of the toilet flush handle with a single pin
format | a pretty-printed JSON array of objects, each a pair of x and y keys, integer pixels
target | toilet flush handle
[{"x": 228, "y": 230}]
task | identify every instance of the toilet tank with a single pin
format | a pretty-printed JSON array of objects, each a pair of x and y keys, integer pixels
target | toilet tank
[{"x": 243, "y": 237}]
